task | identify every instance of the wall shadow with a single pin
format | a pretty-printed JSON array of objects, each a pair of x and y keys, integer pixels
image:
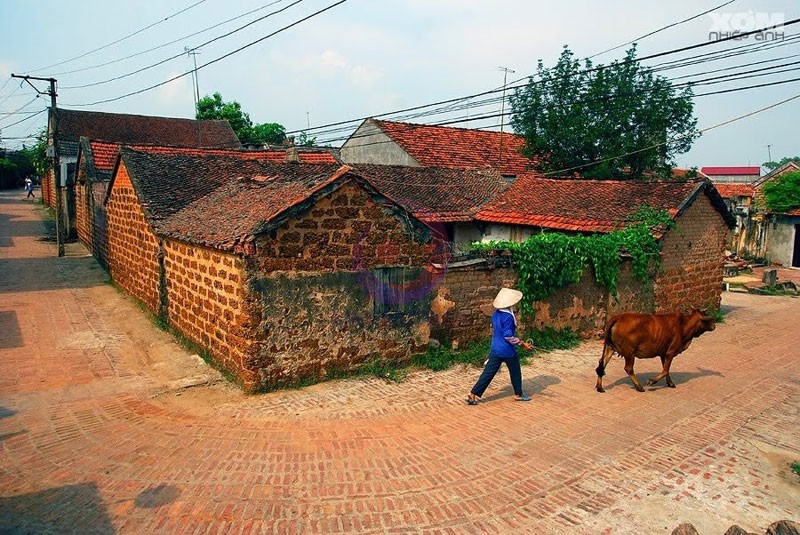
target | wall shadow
[
  {"x": 10, "y": 335},
  {"x": 67, "y": 509},
  {"x": 677, "y": 378},
  {"x": 50, "y": 273}
]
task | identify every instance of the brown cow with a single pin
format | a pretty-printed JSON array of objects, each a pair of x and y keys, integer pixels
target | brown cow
[{"x": 646, "y": 336}]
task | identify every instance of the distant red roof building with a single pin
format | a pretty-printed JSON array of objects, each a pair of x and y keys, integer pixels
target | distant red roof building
[
  {"x": 746, "y": 170},
  {"x": 397, "y": 143}
]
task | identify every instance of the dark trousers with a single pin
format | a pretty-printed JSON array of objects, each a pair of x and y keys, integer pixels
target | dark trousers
[{"x": 490, "y": 370}]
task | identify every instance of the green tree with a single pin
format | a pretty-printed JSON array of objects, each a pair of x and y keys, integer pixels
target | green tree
[
  {"x": 305, "y": 140},
  {"x": 783, "y": 192},
  {"x": 213, "y": 107},
  {"x": 613, "y": 121},
  {"x": 769, "y": 166}
]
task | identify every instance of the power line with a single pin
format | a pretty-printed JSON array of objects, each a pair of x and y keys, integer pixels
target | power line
[
  {"x": 662, "y": 29},
  {"x": 252, "y": 43},
  {"x": 585, "y": 71},
  {"x": 137, "y": 71},
  {"x": 209, "y": 28},
  {"x": 120, "y": 39}
]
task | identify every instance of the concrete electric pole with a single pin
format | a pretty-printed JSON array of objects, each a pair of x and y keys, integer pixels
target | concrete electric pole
[{"x": 53, "y": 132}]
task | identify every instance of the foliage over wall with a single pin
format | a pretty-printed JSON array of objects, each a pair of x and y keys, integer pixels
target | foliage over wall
[
  {"x": 783, "y": 193},
  {"x": 548, "y": 261}
]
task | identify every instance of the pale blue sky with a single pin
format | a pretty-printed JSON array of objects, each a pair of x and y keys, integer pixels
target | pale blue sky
[{"x": 367, "y": 57}]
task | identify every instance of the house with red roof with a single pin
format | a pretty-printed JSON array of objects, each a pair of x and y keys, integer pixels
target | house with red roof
[
  {"x": 396, "y": 143},
  {"x": 691, "y": 272},
  {"x": 280, "y": 271},
  {"x": 746, "y": 174},
  {"x": 96, "y": 161},
  {"x": 70, "y": 125}
]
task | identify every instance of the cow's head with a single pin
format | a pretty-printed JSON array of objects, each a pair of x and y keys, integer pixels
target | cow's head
[{"x": 699, "y": 322}]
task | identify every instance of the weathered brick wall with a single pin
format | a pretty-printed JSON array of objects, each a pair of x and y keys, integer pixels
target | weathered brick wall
[
  {"x": 692, "y": 257},
  {"x": 347, "y": 231},
  {"x": 323, "y": 307},
  {"x": 99, "y": 222},
  {"x": 132, "y": 246},
  {"x": 48, "y": 189},
  {"x": 83, "y": 207},
  {"x": 207, "y": 301},
  {"x": 463, "y": 303}
]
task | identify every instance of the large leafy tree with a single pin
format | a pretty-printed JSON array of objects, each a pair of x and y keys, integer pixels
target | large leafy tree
[
  {"x": 769, "y": 166},
  {"x": 783, "y": 192},
  {"x": 213, "y": 107},
  {"x": 614, "y": 121}
]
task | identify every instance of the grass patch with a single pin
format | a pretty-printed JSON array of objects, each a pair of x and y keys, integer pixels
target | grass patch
[
  {"x": 795, "y": 468},
  {"x": 549, "y": 339},
  {"x": 718, "y": 315}
]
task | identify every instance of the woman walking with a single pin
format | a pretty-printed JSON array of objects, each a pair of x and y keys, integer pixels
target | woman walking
[{"x": 503, "y": 348}]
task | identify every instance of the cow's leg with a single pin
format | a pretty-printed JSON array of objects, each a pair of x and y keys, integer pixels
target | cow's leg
[
  {"x": 629, "y": 370},
  {"x": 608, "y": 352},
  {"x": 665, "y": 364}
]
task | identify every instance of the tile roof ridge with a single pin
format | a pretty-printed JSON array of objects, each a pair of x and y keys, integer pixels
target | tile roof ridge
[{"x": 462, "y": 128}]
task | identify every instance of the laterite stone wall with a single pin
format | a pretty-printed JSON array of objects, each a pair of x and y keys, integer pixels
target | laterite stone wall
[
  {"x": 692, "y": 260},
  {"x": 83, "y": 207},
  {"x": 207, "y": 301},
  {"x": 132, "y": 246}
]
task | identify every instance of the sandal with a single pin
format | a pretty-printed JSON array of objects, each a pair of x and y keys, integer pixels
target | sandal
[
  {"x": 523, "y": 398},
  {"x": 472, "y": 401}
]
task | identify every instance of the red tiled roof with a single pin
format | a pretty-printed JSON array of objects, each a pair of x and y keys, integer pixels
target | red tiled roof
[
  {"x": 442, "y": 146},
  {"x": 748, "y": 170},
  {"x": 728, "y": 190},
  {"x": 435, "y": 194},
  {"x": 141, "y": 129},
  {"x": 105, "y": 154},
  {"x": 238, "y": 209},
  {"x": 587, "y": 205}
]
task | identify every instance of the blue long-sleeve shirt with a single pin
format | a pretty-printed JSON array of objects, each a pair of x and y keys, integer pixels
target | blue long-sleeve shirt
[{"x": 504, "y": 335}]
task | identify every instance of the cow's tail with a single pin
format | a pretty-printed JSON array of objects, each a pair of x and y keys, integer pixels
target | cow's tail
[{"x": 608, "y": 346}]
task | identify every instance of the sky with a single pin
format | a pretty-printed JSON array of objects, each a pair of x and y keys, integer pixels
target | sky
[{"x": 364, "y": 58}]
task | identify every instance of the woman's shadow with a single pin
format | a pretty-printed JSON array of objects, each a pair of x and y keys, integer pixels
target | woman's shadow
[{"x": 533, "y": 386}]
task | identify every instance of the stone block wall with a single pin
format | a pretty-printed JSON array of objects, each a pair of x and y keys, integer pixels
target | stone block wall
[
  {"x": 691, "y": 271},
  {"x": 83, "y": 208},
  {"x": 133, "y": 248},
  {"x": 207, "y": 301},
  {"x": 463, "y": 304},
  {"x": 48, "y": 189},
  {"x": 99, "y": 222}
]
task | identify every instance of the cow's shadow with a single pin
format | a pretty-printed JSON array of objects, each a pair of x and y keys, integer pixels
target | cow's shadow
[
  {"x": 677, "y": 378},
  {"x": 532, "y": 387}
]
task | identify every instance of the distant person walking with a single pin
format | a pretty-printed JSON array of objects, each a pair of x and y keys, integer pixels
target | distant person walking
[
  {"x": 503, "y": 348},
  {"x": 29, "y": 188}
]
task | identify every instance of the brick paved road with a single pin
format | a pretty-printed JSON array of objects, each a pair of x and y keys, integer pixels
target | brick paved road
[{"x": 97, "y": 435}]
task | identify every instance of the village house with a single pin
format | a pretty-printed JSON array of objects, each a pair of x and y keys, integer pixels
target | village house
[
  {"x": 417, "y": 145},
  {"x": 779, "y": 233},
  {"x": 690, "y": 274},
  {"x": 279, "y": 271},
  {"x": 70, "y": 125},
  {"x": 732, "y": 174},
  {"x": 96, "y": 162}
]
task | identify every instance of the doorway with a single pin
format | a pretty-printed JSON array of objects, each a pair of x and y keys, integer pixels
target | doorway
[{"x": 796, "y": 250}]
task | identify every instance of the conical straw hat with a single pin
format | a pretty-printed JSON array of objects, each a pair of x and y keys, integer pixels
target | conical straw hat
[{"x": 507, "y": 297}]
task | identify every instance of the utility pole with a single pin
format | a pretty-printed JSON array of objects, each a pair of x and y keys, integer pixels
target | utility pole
[
  {"x": 56, "y": 160},
  {"x": 193, "y": 52},
  {"x": 769, "y": 152},
  {"x": 505, "y": 70}
]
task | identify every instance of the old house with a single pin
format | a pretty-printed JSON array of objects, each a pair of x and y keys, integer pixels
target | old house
[
  {"x": 691, "y": 254},
  {"x": 779, "y": 232},
  {"x": 71, "y": 125},
  {"x": 417, "y": 145},
  {"x": 280, "y": 271},
  {"x": 739, "y": 199},
  {"x": 444, "y": 198},
  {"x": 746, "y": 174},
  {"x": 96, "y": 161}
]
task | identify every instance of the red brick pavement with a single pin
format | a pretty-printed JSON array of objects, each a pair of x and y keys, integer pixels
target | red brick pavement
[{"x": 96, "y": 434}]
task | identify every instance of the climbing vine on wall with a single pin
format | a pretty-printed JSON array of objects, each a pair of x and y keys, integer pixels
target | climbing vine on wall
[{"x": 549, "y": 261}]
